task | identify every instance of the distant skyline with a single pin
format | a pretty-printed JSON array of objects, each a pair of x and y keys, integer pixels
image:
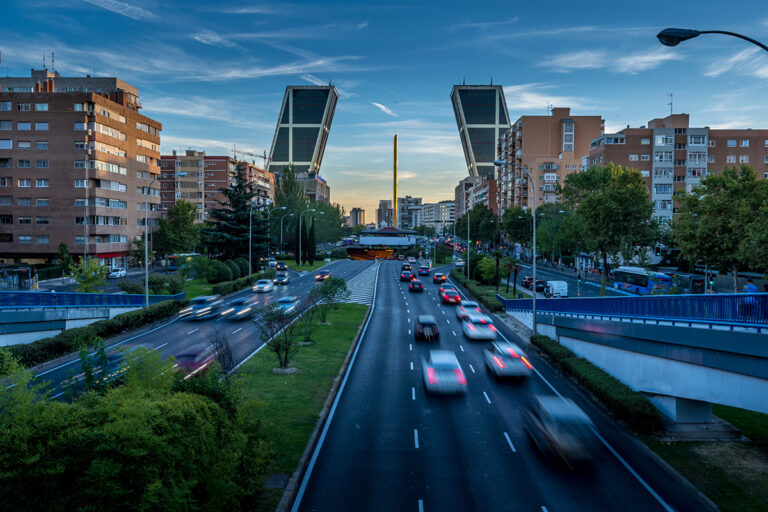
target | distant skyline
[{"x": 214, "y": 73}]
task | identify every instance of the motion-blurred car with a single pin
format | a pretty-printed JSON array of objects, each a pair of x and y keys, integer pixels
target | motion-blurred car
[
  {"x": 322, "y": 275},
  {"x": 423, "y": 270},
  {"x": 541, "y": 285},
  {"x": 479, "y": 328},
  {"x": 505, "y": 359},
  {"x": 560, "y": 429},
  {"x": 263, "y": 285},
  {"x": 400, "y": 257},
  {"x": 202, "y": 307},
  {"x": 271, "y": 263},
  {"x": 459, "y": 263},
  {"x": 406, "y": 266},
  {"x": 280, "y": 265},
  {"x": 466, "y": 308},
  {"x": 411, "y": 259},
  {"x": 450, "y": 296},
  {"x": 195, "y": 359},
  {"x": 442, "y": 373},
  {"x": 416, "y": 286},
  {"x": 240, "y": 309},
  {"x": 426, "y": 328},
  {"x": 116, "y": 273},
  {"x": 288, "y": 305},
  {"x": 405, "y": 275},
  {"x": 438, "y": 278},
  {"x": 281, "y": 278}
]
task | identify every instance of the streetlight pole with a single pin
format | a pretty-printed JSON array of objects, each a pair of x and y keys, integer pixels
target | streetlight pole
[
  {"x": 250, "y": 232},
  {"x": 146, "y": 247},
  {"x": 302, "y": 229},
  {"x": 468, "y": 240},
  {"x": 281, "y": 228},
  {"x": 674, "y": 36}
]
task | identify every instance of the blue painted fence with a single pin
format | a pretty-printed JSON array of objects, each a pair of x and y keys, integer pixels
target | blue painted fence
[
  {"x": 15, "y": 300},
  {"x": 734, "y": 309}
]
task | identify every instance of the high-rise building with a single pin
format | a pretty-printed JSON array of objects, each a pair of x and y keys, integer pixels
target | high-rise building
[
  {"x": 198, "y": 178},
  {"x": 301, "y": 135},
  {"x": 356, "y": 216},
  {"x": 439, "y": 216},
  {"x": 461, "y": 194},
  {"x": 408, "y": 212},
  {"x": 76, "y": 160},
  {"x": 481, "y": 115},
  {"x": 484, "y": 194},
  {"x": 384, "y": 214},
  {"x": 671, "y": 155},
  {"x": 549, "y": 147}
]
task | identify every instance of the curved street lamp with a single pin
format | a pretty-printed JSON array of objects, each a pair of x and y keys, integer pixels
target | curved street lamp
[
  {"x": 674, "y": 36},
  {"x": 302, "y": 229},
  {"x": 146, "y": 248}
]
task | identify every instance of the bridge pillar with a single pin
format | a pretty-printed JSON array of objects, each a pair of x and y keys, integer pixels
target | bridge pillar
[{"x": 683, "y": 410}]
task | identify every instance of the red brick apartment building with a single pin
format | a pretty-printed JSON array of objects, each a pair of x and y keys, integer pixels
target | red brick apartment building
[{"x": 76, "y": 159}]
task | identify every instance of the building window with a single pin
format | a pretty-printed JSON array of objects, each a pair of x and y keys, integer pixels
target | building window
[
  {"x": 81, "y": 183},
  {"x": 731, "y": 143},
  {"x": 41, "y": 145},
  {"x": 8, "y": 182},
  {"x": 42, "y": 221},
  {"x": 25, "y": 182},
  {"x": 6, "y": 125},
  {"x": 645, "y": 158},
  {"x": 679, "y": 145},
  {"x": 80, "y": 164},
  {"x": 23, "y": 164},
  {"x": 743, "y": 159},
  {"x": 41, "y": 164},
  {"x": 25, "y": 220},
  {"x": 664, "y": 140},
  {"x": 5, "y": 106},
  {"x": 645, "y": 173},
  {"x": 79, "y": 127},
  {"x": 696, "y": 173},
  {"x": 25, "y": 201},
  {"x": 6, "y": 144},
  {"x": 41, "y": 107},
  {"x": 663, "y": 189},
  {"x": 6, "y": 219},
  {"x": 680, "y": 131},
  {"x": 765, "y": 159},
  {"x": 23, "y": 106},
  {"x": 25, "y": 239},
  {"x": 745, "y": 143},
  {"x": 23, "y": 144},
  {"x": 24, "y": 126},
  {"x": 730, "y": 159},
  {"x": 645, "y": 141},
  {"x": 697, "y": 139},
  {"x": 710, "y": 159},
  {"x": 42, "y": 201},
  {"x": 40, "y": 182},
  {"x": 41, "y": 127},
  {"x": 633, "y": 158},
  {"x": 43, "y": 239},
  {"x": 6, "y": 201},
  {"x": 663, "y": 156},
  {"x": 712, "y": 143}
]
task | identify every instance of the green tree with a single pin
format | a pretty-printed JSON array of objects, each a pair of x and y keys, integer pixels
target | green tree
[
  {"x": 289, "y": 193},
  {"x": 311, "y": 244},
  {"x": 484, "y": 225},
  {"x": 298, "y": 235},
  {"x": 177, "y": 233},
  {"x": 89, "y": 276},
  {"x": 138, "y": 252},
  {"x": 64, "y": 260},
  {"x": 486, "y": 269},
  {"x": 612, "y": 205},
  {"x": 517, "y": 223}
]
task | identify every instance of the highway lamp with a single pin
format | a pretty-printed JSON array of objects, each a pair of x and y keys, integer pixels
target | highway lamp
[
  {"x": 302, "y": 229},
  {"x": 146, "y": 247},
  {"x": 281, "y": 229},
  {"x": 533, "y": 187},
  {"x": 468, "y": 241},
  {"x": 674, "y": 36}
]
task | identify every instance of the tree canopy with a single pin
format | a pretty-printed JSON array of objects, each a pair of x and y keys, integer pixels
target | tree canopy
[{"x": 177, "y": 233}]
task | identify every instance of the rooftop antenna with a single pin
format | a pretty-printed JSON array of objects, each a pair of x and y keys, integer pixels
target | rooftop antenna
[
  {"x": 549, "y": 108},
  {"x": 53, "y": 63},
  {"x": 43, "y": 60},
  {"x": 464, "y": 81},
  {"x": 670, "y": 103},
  {"x": 491, "y": 80}
]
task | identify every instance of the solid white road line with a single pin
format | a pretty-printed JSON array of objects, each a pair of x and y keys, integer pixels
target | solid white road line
[
  {"x": 160, "y": 346},
  {"x": 413, "y": 393},
  {"x": 470, "y": 367},
  {"x": 461, "y": 347},
  {"x": 454, "y": 333},
  {"x": 411, "y": 365},
  {"x": 193, "y": 330},
  {"x": 416, "y": 437},
  {"x": 509, "y": 442},
  {"x": 237, "y": 330},
  {"x": 486, "y": 397},
  {"x": 544, "y": 509}
]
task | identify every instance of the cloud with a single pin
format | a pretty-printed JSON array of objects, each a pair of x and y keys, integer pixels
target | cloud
[
  {"x": 750, "y": 62},
  {"x": 645, "y": 61},
  {"x": 585, "y": 59},
  {"x": 212, "y": 38},
  {"x": 384, "y": 109},
  {"x": 600, "y": 59},
  {"x": 361, "y": 25},
  {"x": 124, "y": 9},
  {"x": 485, "y": 24},
  {"x": 207, "y": 108},
  {"x": 534, "y": 96},
  {"x": 313, "y": 80}
]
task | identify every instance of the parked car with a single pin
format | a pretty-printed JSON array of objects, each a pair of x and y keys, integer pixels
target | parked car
[
  {"x": 263, "y": 285},
  {"x": 426, "y": 328},
  {"x": 416, "y": 286},
  {"x": 195, "y": 359},
  {"x": 202, "y": 307},
  {"x": 505, "y": 359},
  {"x": 527, "y": 281},
  {"x": 280, "y": 265},
  {"x": 442, "y": 373},
  {"x": 288, "y": 305},
  {"x": 406, "y": 275},
  {"x": 116, "y": 273},
  {"x": 423, "y": 270},
  {"x": 466, "y": 308},
  {"x": 540, "y": 285},
  {"x": 322, "y": 275},
  {"x": 240, "y": 309},
  {"x": 560, "y": 429},
  {"x": 479, "y": 328},
  {"x": 281, "y": 278},
  {"x": 556, "y": 289},
  {"x": 438, "y": 278}
]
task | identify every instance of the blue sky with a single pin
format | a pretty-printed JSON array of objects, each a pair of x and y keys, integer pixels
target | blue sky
[{"x": 214, "y": 73}]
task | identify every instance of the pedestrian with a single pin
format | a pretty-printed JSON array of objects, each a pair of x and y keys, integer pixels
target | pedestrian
[
  {"x": 750, "y": 286},
  {"x": 749, "y": 302}
]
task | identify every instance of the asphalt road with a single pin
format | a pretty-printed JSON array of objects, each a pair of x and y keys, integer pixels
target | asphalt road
[
  {"x": 389, "y": 446},
  {"x": 171, "y": 337},
  {"x": 586, "y": 289}
]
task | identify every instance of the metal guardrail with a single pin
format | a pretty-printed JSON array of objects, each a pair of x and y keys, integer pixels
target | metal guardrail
[
  {"x": 731, "y": 309},
  {"x": 24, "y": 300}
]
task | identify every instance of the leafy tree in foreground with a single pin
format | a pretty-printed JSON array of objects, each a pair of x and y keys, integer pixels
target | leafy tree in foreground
[
  {"x": 64, "y": 259},
  {"x": 177, "y": 233},
  {"x": 278, "y": 332},
  {"x": 89, "y": 276},
  {"x": 517, "y": 223}
]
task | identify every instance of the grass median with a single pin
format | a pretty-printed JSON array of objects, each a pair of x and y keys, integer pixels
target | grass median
[
  {"x": 304, "y": 268},
  {"x": 197, "y": 287},
  {"x": 289, "y": 405}
]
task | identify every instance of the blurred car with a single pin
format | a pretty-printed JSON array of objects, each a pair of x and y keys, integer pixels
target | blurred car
[
  {"x": 505, "y": 359},
  {"x": 322, "y": 275},
  {"x": 459, "y": 263},
  {"x": 426, "y": 328},
  {"x": 288, "y": 305},
  {"x": 271, "y": 263},
  {"x": 240, "y": 309},
  {"x": 202, "y": 307},
  {"x": 401, "y": 257},
  {"x": 406, "y": 266},
  {"x": 195, "y": 359},
  {"x": 411, "y": 259},
  {"x": 281, "y": 278},
  {"x": 479, "y": 327},
  {"x": 405, "y": 275},
  {"x": 263, "y": 285},
  {"x": 423, "y": 270},
  {"x": 466, "y": 308},
  {"x": 438, "y": 278},
  {"x": 527, "y": 281},
  {"x": 116, "y": 273},
  {"x": 450, "y": 296},
  {"x": 442, "y": 373},
  {"x": 560, "y": 429},
  {"x": 390, "y": 257},
  {"x": 416, "y": 286},
  {"x": 280, "y": 265}
]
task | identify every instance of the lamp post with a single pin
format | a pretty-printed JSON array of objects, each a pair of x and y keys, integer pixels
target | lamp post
[
  {"x": 468, "y": 244},
  {"x": 533, "y": 187},
  {"x": 301, "y": 229},
  {"x": 674, "y": 36},
  {"x": 281, "y": 228},
  {"x": 146, "y": 247}
]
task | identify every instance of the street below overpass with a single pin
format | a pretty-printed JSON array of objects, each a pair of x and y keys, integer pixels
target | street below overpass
[{"x": 389, "y": 446}]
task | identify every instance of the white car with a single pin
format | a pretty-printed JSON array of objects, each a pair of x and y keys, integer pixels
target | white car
[
  {"x": 272, "y": 262},
  {"x": 467, "y": 308},
  {"x": 479, "y": 327},
  {"x": 263, "y": 285},
  {"x": 442, "y": 373},
  {"x": 460, "y": 264},
  {"x": 116, "y": 273},
  {"x": 505, "y": 359}
]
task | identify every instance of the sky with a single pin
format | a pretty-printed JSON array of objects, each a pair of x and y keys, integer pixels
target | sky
[{"x": 214, "y": 73}]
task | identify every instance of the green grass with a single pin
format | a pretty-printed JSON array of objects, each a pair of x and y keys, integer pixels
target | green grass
[
  {"x": 317, "y": 264},
  {"x": 289, "y": 405},
  {"x": 197, "y": 287},
  {"x": 754, "y": 425}
]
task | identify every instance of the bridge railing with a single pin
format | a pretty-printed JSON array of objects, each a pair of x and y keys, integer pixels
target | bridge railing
[
  {"x": 23, "y": 300},
  {"x": 733, "y": 309}
]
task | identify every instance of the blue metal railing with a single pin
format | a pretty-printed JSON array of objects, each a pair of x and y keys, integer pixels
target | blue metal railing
[
  {"x": 734, "y": 309},
  {"x": 15, "y": 300}
]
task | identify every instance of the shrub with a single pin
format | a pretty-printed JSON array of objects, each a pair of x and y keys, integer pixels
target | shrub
[
  {"x": 242, "y": 264},
  {"x": 338, "y": 253},
  {"x": 132, "y": 287},
  {"x": 156, "y": 284},
  {"x": 234, "y": 268},
  {"x": 175, "y": 284},
  {"x": 553, "y": 349},
  {"x": 218, "y": 272}
]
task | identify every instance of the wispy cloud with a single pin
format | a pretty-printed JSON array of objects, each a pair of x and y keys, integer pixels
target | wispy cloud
[
  {"x": 751, "y": 62},
  {"x": 124, "y": 9},
  {"x": 585, "y": 59},
  {"x": 210, "y": 109},
  {"x": 600, "y": 59},
  {"x": 485, "y": 24},
  {"x": 211, "y": 38},
  {"x": 384, "y": 109},
  {"x": 361, "y": 25},
  {"x": 536, "y": 97}
]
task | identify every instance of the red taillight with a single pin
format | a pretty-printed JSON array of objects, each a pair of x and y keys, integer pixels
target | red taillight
[
  {"x": 445, "y": 297},
  {"x": 526, "y": 363},
  {"x": 460, "y": 377},
  {"x": 432, "y": 375},
  {"x": 483, "y": 321},
  {"x": 471, "y": 327},
  {"x": 512, "y": 353},
  {"x": 478, "y": 310},
  {"x": 493, "y": 328},
  {"x": 499, "y": 362}
]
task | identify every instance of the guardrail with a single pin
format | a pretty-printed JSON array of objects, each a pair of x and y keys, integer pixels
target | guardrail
[
  {"x": 731, "y": 309},
  {"x": 25, "y": 300}
]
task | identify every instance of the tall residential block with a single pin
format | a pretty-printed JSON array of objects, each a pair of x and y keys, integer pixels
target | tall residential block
[
  {"x": 408, "y": 212},
  {"x": 301, "y": 136},
  {"x": 439, "y": 216},
  {"x": 356, "y": 216},
  {"x": 671, "y": 155},
  {"x": 481, "y": 115},
  {"x": 549, "y": 147},
  {"x": 76, "y": 162},
  {"x": 384, "y": 214},
  {"x": 461, "y": 194}
]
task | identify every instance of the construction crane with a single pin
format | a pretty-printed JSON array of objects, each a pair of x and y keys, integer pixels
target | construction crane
[{"x": 263, "y": 156}]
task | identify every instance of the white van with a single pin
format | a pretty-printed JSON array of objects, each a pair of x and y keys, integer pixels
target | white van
[{"x": 556, "y": 289}]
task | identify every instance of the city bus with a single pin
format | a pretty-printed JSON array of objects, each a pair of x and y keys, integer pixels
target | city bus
[
  {"x": 641, "y": 281},
  {"x": 176, "y": 260}
]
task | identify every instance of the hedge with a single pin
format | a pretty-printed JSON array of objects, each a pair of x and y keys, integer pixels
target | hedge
[
  {"x": 242, "y": 264},
  {"x": 234, "y": 268},
  {"x": 626, "y": 404},
  {"x": 72, "y": 340},
  {"x": 238, "y": 284}
]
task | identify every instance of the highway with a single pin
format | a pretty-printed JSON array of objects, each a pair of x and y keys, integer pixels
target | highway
[
  {"x": 174, "y": 335},
  {"x": 389, "y": 446}
]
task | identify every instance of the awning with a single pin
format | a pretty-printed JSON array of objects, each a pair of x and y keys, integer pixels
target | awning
[{"x": 110, "y": 255}]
